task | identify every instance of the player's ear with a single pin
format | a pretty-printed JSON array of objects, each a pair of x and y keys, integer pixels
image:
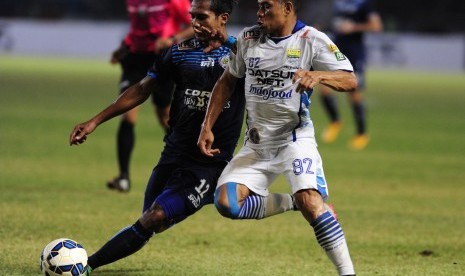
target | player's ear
[
  {"x": 288, "y": 7},
  {"x": 224, "y": 17}
]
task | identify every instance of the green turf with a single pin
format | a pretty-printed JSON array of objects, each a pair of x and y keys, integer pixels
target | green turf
[{"x": 403, "y": 195}]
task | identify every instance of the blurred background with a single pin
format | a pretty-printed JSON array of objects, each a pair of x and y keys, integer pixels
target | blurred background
[{"x": 417, "y": 35}]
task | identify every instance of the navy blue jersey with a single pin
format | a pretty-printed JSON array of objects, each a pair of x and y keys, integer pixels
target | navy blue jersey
[
  {"x": 357, "y": 11},
  {"x": 194, "y": 74}
]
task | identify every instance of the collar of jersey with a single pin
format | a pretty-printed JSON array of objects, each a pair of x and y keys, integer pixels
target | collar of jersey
[{"x": 298, "y": 26}]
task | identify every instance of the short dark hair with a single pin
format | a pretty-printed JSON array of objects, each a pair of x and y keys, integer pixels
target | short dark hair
[{"x": 222, "y": 6}]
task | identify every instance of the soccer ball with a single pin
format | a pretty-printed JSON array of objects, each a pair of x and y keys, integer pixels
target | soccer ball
[{"x": 63, "y": 257}]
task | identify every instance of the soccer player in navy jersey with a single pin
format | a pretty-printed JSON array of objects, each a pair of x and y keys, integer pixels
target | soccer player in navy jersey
[
  {"x": 184, "y": 180},
  {"x": 352, "y": 18},
  {"x": 154, "y": 26}
]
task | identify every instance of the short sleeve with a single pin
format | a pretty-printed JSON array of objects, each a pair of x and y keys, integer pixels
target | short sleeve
[
  {"x": 237, "y": 63},
  {"x": 328, "y": 57},
  {"x": 162, "y": 72}
]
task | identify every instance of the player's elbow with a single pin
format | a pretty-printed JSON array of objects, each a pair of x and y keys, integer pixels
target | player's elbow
[
  {"x": 352, "y": 84},
  {"x": 348, "y": 84}
]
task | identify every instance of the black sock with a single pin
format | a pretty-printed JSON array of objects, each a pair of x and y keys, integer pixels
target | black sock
[
  {"x": 125, "y": 144},
  {"x": 329, "y": 102},
  {"x": 359, "y": 115},
  {"x": 124, "y": 243}
]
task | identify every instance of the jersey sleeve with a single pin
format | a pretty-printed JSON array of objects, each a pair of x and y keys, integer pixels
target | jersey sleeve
[
  {"x": 328, "y": 57},
  {"x": 162, "y": 72},
  {"x": 237, "y": 62}
]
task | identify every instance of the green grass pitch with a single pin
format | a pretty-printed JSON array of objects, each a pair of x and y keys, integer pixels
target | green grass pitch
[{"x": 401, "y": 201}]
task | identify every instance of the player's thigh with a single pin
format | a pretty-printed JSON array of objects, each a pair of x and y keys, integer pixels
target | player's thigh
[
  {"x": 188, "y": 190},
  {"x": 156, "y": 183},
  {"x": 303, "y": 167},
  {"x": 249, "y": 168}
]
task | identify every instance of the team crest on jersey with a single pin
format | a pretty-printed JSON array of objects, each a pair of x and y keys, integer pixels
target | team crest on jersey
[
  {"x": 188, "y": 45},
  {"x": 293, "y": 57},
  {"x": 293, "y": 53},
  {"x": 224, "y": 61}
]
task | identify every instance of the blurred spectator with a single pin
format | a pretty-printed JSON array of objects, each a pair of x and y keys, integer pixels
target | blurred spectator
[
  {"x": 155, "y": 26},
  {"x": 352, "y": 18}
]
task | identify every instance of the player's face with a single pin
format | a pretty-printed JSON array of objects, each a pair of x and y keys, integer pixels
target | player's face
[
  {"x": 271, "y": 16},
  {"x": 204, "y": 19}
]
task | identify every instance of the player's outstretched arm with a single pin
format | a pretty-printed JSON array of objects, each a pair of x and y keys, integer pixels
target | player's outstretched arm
[
  {"x": 341, "y": 81},
  {"x": 222, "y": 91},
  {"x": 132, "y": 97}
]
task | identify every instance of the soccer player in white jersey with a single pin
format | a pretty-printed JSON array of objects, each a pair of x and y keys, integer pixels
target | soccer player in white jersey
[{"x": 282, "y": 60}]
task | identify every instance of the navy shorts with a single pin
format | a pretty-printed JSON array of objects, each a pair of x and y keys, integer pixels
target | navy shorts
[
  {"x": 135, "y": 67},
  {"x": 182, "y": 190}
]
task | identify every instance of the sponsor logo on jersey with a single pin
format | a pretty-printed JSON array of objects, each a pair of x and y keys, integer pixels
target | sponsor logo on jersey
[
  {"x": 210, "y": 62},
  {"x": 195, "y": 200},
  {"x": 293, "y": 53},
  {"x": 198, "y": 100},
  {"x": 339, "y": 56},
  {"x": 188, "y": 45},
  {"x": 252, "y": 34},
  {"x": 270, "y": 93},
  {"x": 270, "y": 77},
  {"x": 333, "y": 48}
]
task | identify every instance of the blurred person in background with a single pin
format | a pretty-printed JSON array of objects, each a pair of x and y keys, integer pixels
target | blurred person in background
[
  {"x": 154, "y": 26},
  {"x": 352, "y": 18}
]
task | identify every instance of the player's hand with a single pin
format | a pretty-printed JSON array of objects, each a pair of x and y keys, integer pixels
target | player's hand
[
  {"x": 119, "y": 54},
  {"x": 80, "y": 132},
  {"x": 215, "y": 38},
  {"x": 205, "y": 143},
  {"x": 306, "y": 80}
]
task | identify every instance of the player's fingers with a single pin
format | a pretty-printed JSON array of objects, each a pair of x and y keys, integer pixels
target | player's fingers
[
  {"x": 205, "y": 30},
  {"x": 72, "y": 136},
  {"x": 202, "y": 146},
  {"x": 214, "y": 151}
]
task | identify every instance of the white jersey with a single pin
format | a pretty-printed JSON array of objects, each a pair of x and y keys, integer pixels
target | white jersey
[{"x": 276, "y": 114}]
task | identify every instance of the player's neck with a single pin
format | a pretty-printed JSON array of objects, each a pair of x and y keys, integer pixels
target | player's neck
[{"x": 286, "y": 30}]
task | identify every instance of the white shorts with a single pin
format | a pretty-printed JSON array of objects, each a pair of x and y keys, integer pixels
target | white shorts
[{"x": 299, "y": 162}]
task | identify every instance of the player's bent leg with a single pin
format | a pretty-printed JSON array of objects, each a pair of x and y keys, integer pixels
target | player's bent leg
[
  {"x": 327, "y": 229},
  {"x": 229, "y": 198},
  {"x": 155, "y": 220},
  {"x": 126, "y": 242},
  {"x": 236, "y": 201}
]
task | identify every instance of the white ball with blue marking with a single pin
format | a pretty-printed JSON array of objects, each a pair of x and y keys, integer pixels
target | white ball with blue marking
[{"x": 63, "y": 257}]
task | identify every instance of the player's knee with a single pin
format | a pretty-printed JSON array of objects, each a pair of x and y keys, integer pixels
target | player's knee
[
  {"x": 154, "y": 219},
  {"x": 226, "y": 200}
]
